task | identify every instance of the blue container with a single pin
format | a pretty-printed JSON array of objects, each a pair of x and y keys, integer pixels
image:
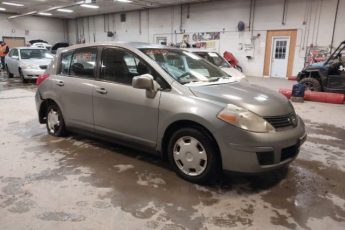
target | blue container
[{"x": 298, "y": 90}]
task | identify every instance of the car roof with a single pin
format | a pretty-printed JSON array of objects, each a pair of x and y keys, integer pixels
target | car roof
[
  {"x": 194, "y": 50},
  {"x": 33, "y": 48},
  {"x": 137, "y": 45}
]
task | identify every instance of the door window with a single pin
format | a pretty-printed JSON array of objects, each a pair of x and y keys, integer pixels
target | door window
[
  {"x": 65, "y": 63},
  {"x": 13, "y": 52},
  {"x": 83, "y": 63},
  {"x": 280, "y": 51},
  {"x": 121, "y": 66}
]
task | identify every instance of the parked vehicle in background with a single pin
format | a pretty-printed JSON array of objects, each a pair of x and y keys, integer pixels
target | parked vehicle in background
[
  {"x": 218, "y": 61},
  {"x": 172, "y": 103},
  {"x": 327, "y": 76},
  {"x": 58, "y": 45},
  {"x": 27, "y": 62},
  {"x": 232, "y": 60},
  {"x": 42, "y": 45}
]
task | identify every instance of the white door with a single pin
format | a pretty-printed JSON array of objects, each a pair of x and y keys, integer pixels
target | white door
[{"x": 280, "y": 56}]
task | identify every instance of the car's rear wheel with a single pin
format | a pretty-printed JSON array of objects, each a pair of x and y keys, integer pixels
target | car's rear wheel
[
  {"x": 311, "y": 84},
  {"x": 55, "y": 122},
  {"x": 9, "y": 74},
  {"x": 193, "y": 155}
]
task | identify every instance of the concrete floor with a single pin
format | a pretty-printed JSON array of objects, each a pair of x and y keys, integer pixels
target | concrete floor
[{"x": 78, "y": 183}]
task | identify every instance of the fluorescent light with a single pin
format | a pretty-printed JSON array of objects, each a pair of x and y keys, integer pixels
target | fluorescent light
[
  {"x": 12, "y": 4},
  {"x": 128, "y": 1},
  {"x": 89, "y": 6},
  {"x": 2, "y": 9},
  {"x": 45, "y": 14},
  {"x": 65, "y": 10}
]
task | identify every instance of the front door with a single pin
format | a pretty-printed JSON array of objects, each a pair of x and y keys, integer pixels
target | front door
[
  {"x": 120, "y": 110},
  {"x": 280, "y": 56}
]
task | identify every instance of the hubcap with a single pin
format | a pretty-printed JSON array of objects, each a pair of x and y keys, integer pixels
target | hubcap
[
  {"x": 309, "y": 86},
  {"x": 190, "y": 156},
  {"x": 53, "y": 121}
]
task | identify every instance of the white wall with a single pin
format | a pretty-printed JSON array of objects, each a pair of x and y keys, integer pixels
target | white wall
[
  {"x": 49, "y": 29},
  {"x": 223, "y": 16}
]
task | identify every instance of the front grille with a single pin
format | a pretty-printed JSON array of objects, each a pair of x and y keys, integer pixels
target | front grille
[
  {"x": 43, "y": 66},
  {"x": 289, "y": 152},
  {"x": 265, "y": 158},
  {"x": 280, "y": 121}
]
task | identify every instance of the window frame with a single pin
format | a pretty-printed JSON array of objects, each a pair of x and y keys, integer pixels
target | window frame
[
  {"x": 73, "y": 52},
  {"x": 168, "y": 87}
]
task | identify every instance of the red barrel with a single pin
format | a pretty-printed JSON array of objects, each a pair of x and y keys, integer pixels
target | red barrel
[
  {"x": 334, "y": 98},
  {"x": 286, "y": 92},
  {"x": 292, "y": 78}
]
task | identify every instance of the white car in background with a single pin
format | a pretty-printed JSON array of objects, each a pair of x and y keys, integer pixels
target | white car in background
[
  {"x": 27, "y": 62},
  {"x": 218, "y": 60},
  {"x": 42, "y": 45}
]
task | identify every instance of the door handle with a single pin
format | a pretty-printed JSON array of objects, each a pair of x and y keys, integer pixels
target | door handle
[
  {"x": 101, "y": 91},
  {"x": 60, "y": 83}
]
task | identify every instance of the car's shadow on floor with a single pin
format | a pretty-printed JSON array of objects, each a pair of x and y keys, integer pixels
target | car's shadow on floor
[{"x": 226, "y": 182}]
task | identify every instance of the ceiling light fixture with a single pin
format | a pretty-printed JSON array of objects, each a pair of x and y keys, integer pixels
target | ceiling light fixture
[
  {"x": 89, "y": 6},
  {"x": 65, "y": 10},
  {"x": 127, "y": 1},
  {"x": 45, "y": 14},
  {"x": 12, "y": 4},
  {"x": 2, "y": 9}
]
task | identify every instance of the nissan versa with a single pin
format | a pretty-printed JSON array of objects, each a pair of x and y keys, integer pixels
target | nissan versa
[{"x": 170, "y": 102}]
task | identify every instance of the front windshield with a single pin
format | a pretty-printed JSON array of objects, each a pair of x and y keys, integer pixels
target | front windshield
[
  {"x": 184, "y": 66},
  {"x": 35, "y": 53},
  {"x": 214, "y": 58}
]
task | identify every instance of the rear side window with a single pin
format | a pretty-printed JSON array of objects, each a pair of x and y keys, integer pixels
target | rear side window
[
  {"x": 65, "y": 63},
  {"x": 83, "y": 63}
]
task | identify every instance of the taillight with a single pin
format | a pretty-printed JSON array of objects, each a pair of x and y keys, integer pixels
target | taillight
[{"x": 41, "y": 78}]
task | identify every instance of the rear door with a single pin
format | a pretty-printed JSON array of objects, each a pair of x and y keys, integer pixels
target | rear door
[
  {"x": 74, "y": 86},
  {"x": 120, "y": 110}
]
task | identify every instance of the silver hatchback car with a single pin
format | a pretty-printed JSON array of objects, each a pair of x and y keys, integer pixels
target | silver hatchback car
[{"x": 172, "y": 103}]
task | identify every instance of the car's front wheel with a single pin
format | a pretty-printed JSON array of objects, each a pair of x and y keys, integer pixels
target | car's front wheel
[
  {"x": 22, "y": 76},
  {"x": 55, "y": 122},
  {"x": 311, "y": 84},
  {"x": 193, "y": 155}
]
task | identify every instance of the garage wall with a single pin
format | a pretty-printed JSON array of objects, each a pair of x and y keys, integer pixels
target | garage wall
[
  {"x": 49, "y": 29},
  {"x": 313, "y": 20}
]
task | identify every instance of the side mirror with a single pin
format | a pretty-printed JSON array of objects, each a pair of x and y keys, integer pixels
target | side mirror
[{"x": 146, "y": 81}]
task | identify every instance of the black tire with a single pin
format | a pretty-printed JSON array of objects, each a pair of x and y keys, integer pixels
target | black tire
[
  {"x": 22, "y": 76},
  {"x": 58, "y": 130},
  {"x": 9, "y": 74},
  {"x": 212, "y": 168},
  {"x": 311, "y": 84}
]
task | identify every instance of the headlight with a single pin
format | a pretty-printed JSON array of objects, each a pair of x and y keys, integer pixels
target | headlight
[
  {"x": 29, "y": 66},
  {"x": 244, "y": 119}
]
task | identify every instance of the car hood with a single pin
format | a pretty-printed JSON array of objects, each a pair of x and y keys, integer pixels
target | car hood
[
  {"x": 36, "y": 61},
  {"x": 256, "y": 99}
]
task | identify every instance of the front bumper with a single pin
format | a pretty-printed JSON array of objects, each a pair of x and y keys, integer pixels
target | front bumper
[
  {"x": 32, "y": 73},
  {"x": 248, "y": 152}
]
